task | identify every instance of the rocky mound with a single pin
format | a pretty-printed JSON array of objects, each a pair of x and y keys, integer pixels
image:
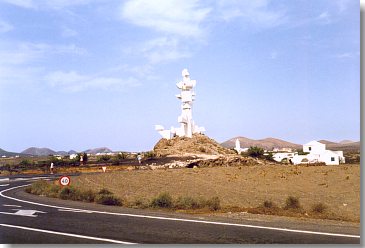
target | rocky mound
[
  {"x": 198, "y": 144},
  {"x": 229, "y": 161}
]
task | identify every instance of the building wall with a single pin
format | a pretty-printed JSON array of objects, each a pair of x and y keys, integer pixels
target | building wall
[{"x": 314, "y": 148}]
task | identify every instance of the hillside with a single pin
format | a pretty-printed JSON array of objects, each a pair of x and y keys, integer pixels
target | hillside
[
  {"x": 35, "y": 151},
  {"x": 268, "y": 143},
  {"x": 8, "y": 154},
  {"x": 347, "y": 147},
  {"x": 346, "y": 141},
  {"x": 198, "y": 144},
  {"x": 98, "y": 150}
]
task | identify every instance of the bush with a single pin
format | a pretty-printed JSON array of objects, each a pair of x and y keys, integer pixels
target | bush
[
  {"x": 319, "y": 208},
  {"x": 104, "y": 158},
  {"x": 292, "y": 203},
  {"x": 121, "y": 156},
  {"x": 104, "y": 191},
  {"x": 68, "y": 193},
  {"x": 188, "y": 202},
  {"x": 25, "y": 163},
  {"x": 150, "y": 154},
  {"x": 163, "y": 200},
  {"x": 53, "y": 190},
  {"x": 214, "y": 203},
  {"x": 269, "y": 157},
  {"x": 255, "y": 151},
  {"x": 39, "y": 187},
  {"x": 108, "y": 199},
  {"x": 268, "y": 204},
  {"x": 86, "y": 196}
]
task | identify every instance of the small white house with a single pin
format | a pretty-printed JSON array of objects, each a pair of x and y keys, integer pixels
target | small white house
[
  {"x": 317, "y": 153},
  {"x": 280, "y": 156},
  {"x": 73, "y": 156}
]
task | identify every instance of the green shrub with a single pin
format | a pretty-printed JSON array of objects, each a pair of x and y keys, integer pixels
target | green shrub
[
  {"x": 163, "y": 200},
  {"x": 108, "y": 199},
  {"x": 213, "y": 203},
  {"x": 255, "y": 151},
  {"x": 292, "y": 203},
  {"x": 188, "y": 202},
  {"x": 319, "y": 208},
  {"x": 269, "y": 157}
]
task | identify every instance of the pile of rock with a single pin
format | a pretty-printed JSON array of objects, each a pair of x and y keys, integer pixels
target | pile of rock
[
  {"x": 198, "y": 144},
  {"x": 227, "y": 161}
]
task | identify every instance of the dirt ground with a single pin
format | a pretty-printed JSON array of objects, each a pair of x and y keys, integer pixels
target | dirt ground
[{"x": 338, "y": 187}]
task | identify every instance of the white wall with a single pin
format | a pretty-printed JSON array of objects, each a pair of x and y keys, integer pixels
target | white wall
[{"x": 315, "y": 148}]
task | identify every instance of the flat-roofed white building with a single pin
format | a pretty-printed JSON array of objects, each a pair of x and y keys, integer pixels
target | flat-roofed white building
[{"x": 317, "y": 153}]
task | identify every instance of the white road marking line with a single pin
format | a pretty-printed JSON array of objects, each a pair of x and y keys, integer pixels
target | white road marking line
[
  {"x": 13, "y": 206},
  {"x": 75, "y": 211},
  {"x": 68, "y": 234},
  {"x": 182, "y": 220},
  {"x": 4, "y": 185},
  {"x": 28, "y": 212},
  {"x": 29, "y": 178},
  {"x": 23, "y": 212},
  {"x": 17, "y": 214}
]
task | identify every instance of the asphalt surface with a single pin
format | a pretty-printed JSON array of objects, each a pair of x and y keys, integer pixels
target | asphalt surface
[{"x": 28, "y": 219}]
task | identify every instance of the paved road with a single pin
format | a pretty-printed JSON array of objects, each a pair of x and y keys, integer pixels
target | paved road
[{"x": 28, "y": 219}]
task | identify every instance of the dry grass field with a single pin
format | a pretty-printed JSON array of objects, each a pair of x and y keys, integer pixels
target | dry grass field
[{"x": 337, "y": 187}]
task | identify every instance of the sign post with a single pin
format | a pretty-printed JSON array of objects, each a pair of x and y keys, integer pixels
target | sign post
[{"x": 104, "y": 168}]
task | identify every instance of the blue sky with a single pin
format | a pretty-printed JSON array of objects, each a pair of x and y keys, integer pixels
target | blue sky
[{"x": 78, "y": 74}]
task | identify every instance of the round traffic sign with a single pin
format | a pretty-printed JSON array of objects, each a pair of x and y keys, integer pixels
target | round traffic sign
[{"x": 65, "y": 180}]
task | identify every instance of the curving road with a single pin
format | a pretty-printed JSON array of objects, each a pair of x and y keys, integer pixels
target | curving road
[{"x": 28, "y": 219}]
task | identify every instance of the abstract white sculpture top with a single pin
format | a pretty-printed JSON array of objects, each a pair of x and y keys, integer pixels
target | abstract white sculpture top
[{"x": 187, "y": 96}]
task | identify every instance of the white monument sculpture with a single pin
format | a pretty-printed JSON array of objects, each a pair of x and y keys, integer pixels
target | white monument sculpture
[{"x": 187, "y": 96}]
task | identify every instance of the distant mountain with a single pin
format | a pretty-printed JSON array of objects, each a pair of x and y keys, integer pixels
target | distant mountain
[
  {"x": 8, "y": 154},
  {"x": 353, "y": 146},
  {"x": 327, "y": 142},
  {"x": 346, "y": 141},
  {"x": 62, "y": 153},
  {"x": 72, "y": 152},
  {"x": 268, "y": 143},
  {"x": 98, "y": 150},
  {"x": 35, "y": 151}
]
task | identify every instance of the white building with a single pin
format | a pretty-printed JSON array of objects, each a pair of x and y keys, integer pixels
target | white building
[
  {"x": 187, "y": 96},
  {"x": 317, "y": 153},
  {"x": 280, "y": 156},
  {"x": 73, "y": 156},
  {"x": 238, "y": 147}
]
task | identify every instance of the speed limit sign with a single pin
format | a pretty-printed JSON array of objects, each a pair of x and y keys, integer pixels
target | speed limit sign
[{"x": 65, "y": 180}]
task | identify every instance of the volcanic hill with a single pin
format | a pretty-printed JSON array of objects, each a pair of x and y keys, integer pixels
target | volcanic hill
[{"x": 198, "y": 144}]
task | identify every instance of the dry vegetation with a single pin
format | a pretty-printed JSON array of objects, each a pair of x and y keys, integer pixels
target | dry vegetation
[
  {"x": 216, "y": 179},
  {"x": 322, "y": 191}
]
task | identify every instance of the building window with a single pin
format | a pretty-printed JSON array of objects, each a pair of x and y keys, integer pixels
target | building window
[
  {"x": 310, "y": 148},
  {"x": 332, "y": 159}
]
